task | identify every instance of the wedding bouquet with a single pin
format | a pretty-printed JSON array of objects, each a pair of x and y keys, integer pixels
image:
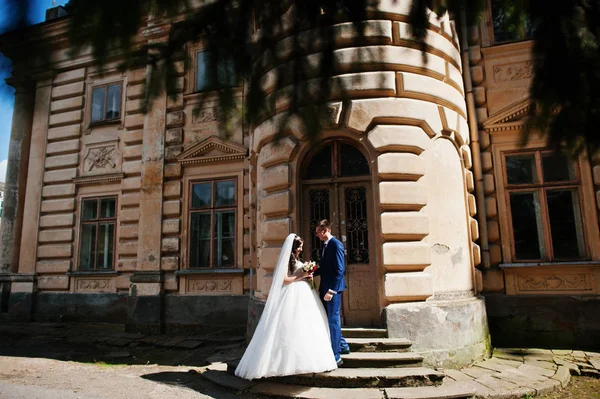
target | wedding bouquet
[{"x": 311, "y": 267}]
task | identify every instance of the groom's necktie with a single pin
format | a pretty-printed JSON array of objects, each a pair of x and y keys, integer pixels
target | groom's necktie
[{"x": 323, "y": 254}]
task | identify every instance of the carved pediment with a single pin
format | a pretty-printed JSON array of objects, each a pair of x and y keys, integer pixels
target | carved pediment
[
  {"x": 512, "y": 117},
  {"x": 213, "y": 149}
]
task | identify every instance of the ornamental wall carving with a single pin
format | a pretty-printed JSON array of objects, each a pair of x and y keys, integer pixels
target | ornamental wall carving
[
  {"x": 510, "y": 72},
  {"x": 94, "y": 285},
  {"x": 204, "y": 116},
  {"x": 101, "y": 158},
  {"x": 552, "y": 280},
  {"x": 214, "y": 286}
]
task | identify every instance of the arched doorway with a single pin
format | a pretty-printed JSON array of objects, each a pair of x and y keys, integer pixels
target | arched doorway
[{"x": 336, "y": 185}]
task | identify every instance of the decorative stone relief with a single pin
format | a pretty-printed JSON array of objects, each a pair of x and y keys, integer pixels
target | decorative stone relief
[
  {"x": 93, "y": 285},
  {"x": 221, "y": 286},
  {"x": 204, "y": 116},
  {"x": 505, "y": 73},
  {"x": 102, "y": 158},
  {"x": 555, "y": 282}
]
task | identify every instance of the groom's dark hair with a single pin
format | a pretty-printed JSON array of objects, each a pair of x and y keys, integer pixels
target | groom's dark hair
[{"x": 324, "y": 224}]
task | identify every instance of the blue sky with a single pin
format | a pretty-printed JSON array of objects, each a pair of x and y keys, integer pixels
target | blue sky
[{"x": 37, "y": 14}]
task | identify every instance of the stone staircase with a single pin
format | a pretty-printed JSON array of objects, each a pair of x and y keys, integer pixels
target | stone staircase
[{"x": 377, "y": 367}]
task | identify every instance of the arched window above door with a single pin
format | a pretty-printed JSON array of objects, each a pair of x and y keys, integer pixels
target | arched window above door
[{"x": 336, "y": 159}]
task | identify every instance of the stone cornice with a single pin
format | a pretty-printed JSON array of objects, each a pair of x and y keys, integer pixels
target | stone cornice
[
  {"x": 51, "y": 32},
  {"x": 98, "y": 179},
  {"x": 502, "y": 49}
]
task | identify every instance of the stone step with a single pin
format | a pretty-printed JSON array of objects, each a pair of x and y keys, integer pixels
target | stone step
[
  {"x": 452, "y": 390},
  {"x": 359, "y": 332},
  {"x": 367, "y": 378},
  {"x": 277, "y": 390},
  {"x": 381, "y": 359},
  {"x": 379, "y": 344}
]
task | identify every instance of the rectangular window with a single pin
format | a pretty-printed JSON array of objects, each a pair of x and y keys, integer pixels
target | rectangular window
[
  {"x": 212, "y": 224},
  {"x": 207, "y": 79},
  {"x": 543, "y": 198},
  {"x": 509, "y": 24},
  {"x": 106, "y": 103},
  {"x": 97, "y": 243}
]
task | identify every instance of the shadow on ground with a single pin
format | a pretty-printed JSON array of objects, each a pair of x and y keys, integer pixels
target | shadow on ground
[{"x": 109, "y": 344}]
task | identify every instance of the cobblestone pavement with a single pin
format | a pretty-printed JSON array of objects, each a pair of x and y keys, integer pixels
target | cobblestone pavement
[{"x": 92, "y": 361}]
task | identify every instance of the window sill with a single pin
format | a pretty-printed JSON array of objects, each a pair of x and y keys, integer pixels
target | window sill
[
  {"x": 196, "y": 96},
  {"x": 104, "y": 123},
  {"x": 93, "y": 273},
  {"x": 537, "y": 264},
  {"x": 208, "y": 271}
]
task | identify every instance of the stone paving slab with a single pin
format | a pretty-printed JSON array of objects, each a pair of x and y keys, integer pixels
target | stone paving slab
[
  {"x": 507, "y": 354},
  {"x": 549, "y": 365},
  {"x": 543, "y": 388},
  {"x": 457, "y": 375},
  {"x": 528, "y": 368},
  {"x": 189, "y": 344},
  {"x": 304, "y": 392},
  {"x": 119, "y": 341},
  {"x": 170, "y": 342},
  {"x": 446, "y": 391},
  {"x": 494, "y": 365},
  {"x": 570, "y": 365},
  {"x": 595, "y": 362},
  {"x": 480, "y": 390},
  {"x": 497, "y": 384},
  {"x": 477, "y": 372},
  {"x": 563, "y": 375},
  {"x": 228, "y": 380},
  {"x": 590, "y": 373}
]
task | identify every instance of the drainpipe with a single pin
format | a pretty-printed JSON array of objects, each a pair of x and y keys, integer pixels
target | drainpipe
[
  {"x": 251, "y": 230},
  {"x": 475, "y": 149}
]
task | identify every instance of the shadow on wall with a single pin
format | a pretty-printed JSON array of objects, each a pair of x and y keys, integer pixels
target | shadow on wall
[{"x": 552, "y": 322}]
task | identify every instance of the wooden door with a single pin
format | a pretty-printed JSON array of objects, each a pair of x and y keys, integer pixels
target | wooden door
[{"x": 346, "y": 206}]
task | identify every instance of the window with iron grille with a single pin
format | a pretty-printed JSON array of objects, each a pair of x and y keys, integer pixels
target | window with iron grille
[
  {"x": 97, "y": 233},
  {"x": 542, "y": 190},
  {"x": 212, "y": 224}
]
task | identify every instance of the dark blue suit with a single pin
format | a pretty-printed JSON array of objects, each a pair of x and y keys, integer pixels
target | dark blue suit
[{"x": 332, "y": 269}]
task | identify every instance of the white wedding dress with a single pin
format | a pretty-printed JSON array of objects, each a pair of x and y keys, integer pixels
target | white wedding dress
[{"x": 292, "y": 336}]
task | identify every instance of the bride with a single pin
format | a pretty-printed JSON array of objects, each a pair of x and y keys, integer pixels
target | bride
[{"x": 292, "y": 336}]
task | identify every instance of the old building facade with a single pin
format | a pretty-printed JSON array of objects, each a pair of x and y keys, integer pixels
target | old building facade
[{"x": 158, "y": 221}]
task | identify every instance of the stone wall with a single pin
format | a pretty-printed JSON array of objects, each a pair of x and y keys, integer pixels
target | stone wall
[
  {"x": 410, "y": 115},
  {"x": 147, "y": 161},
  {"x": 551, "y": 321}
]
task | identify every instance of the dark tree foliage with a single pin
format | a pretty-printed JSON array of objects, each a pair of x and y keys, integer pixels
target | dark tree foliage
[
  {"x": 565, "y": 34},
  {"x": 566, "y": 82},
  {"x": 228, "y": 30}
]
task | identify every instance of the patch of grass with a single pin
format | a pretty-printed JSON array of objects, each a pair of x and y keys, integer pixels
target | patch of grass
[
  {"x": 107, "y": 365},
  {"x": 578, "y": 388}
]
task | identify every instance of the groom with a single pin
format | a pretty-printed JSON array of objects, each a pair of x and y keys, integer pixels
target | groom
[{"x": 332, "y": 284}]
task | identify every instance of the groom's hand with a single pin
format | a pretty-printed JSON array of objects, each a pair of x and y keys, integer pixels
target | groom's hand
[{"x": 328, "y": 297}]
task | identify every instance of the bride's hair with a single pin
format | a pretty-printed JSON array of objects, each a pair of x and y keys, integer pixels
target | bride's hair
[{"x": 297, "y": 242}]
